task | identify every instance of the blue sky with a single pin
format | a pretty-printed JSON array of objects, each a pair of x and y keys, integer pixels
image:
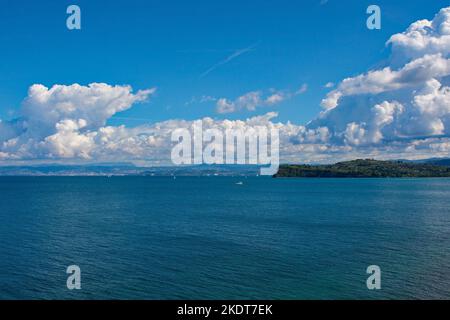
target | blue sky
[
  {"x": 170, "y": 44},
  {"x": 152, "y": 66}
]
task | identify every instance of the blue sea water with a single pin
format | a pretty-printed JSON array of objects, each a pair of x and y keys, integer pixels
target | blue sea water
[{"x": 209, "y": 238}]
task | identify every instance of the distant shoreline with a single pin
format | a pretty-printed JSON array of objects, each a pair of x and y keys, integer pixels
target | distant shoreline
[
  {"x": 361, "y": 168},
  {"x": 366, "y": 168}
]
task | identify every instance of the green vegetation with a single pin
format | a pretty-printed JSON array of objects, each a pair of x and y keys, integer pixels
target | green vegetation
[{"x": 367, "y": 168}]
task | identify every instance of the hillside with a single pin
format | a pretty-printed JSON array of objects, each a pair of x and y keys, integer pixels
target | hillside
[{"x": 367, "y": 168}]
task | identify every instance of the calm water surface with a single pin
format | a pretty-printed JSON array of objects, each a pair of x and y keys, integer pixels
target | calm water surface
[{"x": 209, "y": 238}]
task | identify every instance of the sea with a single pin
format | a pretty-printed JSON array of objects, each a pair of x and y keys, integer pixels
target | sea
[{"x": 224, "y": 237}]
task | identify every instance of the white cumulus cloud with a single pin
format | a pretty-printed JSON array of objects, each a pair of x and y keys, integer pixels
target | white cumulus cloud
[
  {"x": 406, "y": 101},
  {"x": 401, "y": 110}
]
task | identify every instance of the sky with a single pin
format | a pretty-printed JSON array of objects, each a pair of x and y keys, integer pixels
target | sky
[{"x": 158, "y": 64}]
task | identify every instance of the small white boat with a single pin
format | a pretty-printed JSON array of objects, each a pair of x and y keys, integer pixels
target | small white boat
[{"x": 239, "y": 183}]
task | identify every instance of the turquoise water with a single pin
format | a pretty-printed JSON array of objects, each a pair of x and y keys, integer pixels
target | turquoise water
[{"x": 208, "y": 238}]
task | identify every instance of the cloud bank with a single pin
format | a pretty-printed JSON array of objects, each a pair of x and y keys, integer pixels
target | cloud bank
[
  {"x": 399, "y": 111},
  {"x": 256, "y": 99},
  {"x": 406, "y": 103}
]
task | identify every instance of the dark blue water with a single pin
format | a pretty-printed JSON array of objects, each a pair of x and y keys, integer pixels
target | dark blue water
[{"x": 208, "y": 238}]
